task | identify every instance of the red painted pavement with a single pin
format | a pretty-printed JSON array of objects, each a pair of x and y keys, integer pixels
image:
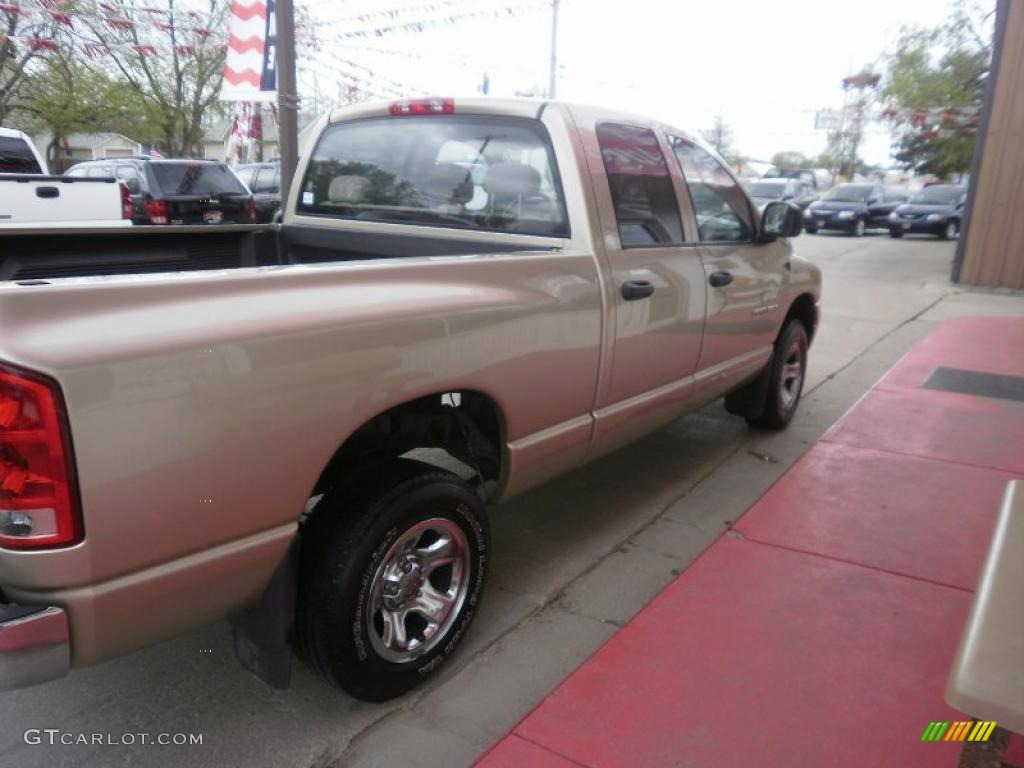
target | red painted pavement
[{"x": 822, "y": 630}]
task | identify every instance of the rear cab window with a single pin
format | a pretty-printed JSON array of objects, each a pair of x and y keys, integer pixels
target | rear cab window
[
  {"x": 16, "y": 156},
  {"x": 455, "y": 171},
  {"x": 192, "y": 179}
]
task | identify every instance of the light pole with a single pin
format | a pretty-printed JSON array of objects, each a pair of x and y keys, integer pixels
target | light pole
[
  {"x": 287, "y": 94},
  {"x": 553, "y": 74}
]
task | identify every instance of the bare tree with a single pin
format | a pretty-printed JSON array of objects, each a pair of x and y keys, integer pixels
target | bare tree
[
  {"x": 173, "y": 58},
  {"x": 26, "y": 33}
]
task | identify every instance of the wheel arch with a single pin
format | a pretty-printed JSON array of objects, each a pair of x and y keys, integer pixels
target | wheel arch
[
  {"x": 805, "y": 309},
  {"x": 464, "y": 425}
]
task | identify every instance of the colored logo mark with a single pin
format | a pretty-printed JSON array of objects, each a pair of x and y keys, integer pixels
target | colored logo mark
[{"x": 970, "y": 730}]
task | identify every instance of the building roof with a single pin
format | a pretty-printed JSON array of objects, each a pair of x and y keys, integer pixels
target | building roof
[{"x": 94, "y": 140}]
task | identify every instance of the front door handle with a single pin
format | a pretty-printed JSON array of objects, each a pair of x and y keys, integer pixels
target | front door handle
[
  {"x": 637, "y": 289},
  {"x": 720, "y": 279}
]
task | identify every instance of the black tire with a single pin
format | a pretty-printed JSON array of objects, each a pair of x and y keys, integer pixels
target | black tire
[
  {"x": 859, "y": 228},
  {"x": 949, "y": 231},
  {"x": 349, "y": 542},
  {"x": 780, "y": 402},
  {"x": 811, "y": 230},
  {"x": 895, "y": 234}
]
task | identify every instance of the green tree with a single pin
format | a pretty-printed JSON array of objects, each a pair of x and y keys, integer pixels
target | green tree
[
  {"x": 791, "y": 159},
  {"x": 63, "y": 96},
  {"x": 936, "y": 69}
]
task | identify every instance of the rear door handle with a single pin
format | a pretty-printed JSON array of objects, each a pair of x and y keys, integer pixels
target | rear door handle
[
  {"x": 720, "y": 279},
  {"x": 637, "y": 289}
]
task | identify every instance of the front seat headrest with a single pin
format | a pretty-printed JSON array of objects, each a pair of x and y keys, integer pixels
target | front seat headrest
[
  {"x": 504, "y": 180},
  {"x": 349, "y": 189}
]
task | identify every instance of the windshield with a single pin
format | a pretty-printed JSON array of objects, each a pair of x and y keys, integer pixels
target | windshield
[
  {"x": 767, "y": 189},
  {"x": 938, "y": 195},
  {"x": 849, "y": 193},
  {"x": 196, "y": 179},
  {"x": 16, "y": 156},
  {"x": 452, "y": 171}
]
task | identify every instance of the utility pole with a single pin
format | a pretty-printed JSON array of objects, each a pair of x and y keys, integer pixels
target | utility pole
[
  {"x": 553, "y": 75},
  {"x": 287, "y": 94}
]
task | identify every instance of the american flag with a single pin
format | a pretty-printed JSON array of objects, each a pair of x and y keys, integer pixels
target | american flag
[{"x": 155, "y": 153}]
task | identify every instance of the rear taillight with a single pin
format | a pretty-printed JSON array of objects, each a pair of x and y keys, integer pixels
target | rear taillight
[
  {"x": 157, "y": 211},
  {"x": 252, "y": 211},
  {"x": 38, "y": 500},
  {"x": 126, "y": 201},
  {"x": 422, "y": 107}
]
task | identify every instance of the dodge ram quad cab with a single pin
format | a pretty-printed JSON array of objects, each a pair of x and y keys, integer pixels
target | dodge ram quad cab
[{"x": 299, "y": 427}]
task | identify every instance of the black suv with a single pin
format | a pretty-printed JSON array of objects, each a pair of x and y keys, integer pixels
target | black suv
[
  {"x": 264, "y": 179},
  {"x": 177, "y": 191}
]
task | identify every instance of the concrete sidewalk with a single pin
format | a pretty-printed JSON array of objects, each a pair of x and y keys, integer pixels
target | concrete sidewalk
[{"x": 821, "y": 627}]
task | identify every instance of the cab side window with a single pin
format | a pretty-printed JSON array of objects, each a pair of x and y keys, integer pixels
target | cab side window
[
  {"x": 721, "y": 208},
  {"x": 130, "y": 177},
  {"x": 268, "y": 181},
  {"x": 645, "y": 202}
]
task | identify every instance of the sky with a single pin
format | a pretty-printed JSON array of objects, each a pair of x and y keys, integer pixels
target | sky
[{"x": 765, "y": 67}]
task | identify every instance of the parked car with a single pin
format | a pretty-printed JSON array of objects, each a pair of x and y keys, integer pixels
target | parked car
[
  {"x": 854, "y": 208},
  {"x": 29, "y": 197},
  {"x": 935, "y": 210},
  {"x": 176, "y": 191},
  {"x": 264, "y": 181},
  {"x": 795, "y": 191},
  {"x": 455, "y": 276}
]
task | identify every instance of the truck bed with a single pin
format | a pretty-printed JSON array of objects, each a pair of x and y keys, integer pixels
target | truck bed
[{"x": 39, "y": 254}]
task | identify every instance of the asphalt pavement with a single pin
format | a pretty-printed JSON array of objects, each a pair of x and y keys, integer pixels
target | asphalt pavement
[{"x": 572, "y": 561}]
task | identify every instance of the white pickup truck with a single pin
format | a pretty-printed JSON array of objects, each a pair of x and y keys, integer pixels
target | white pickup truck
[
  {"x": 238, "y": 422},
  {"x": 31, "y": 198}
]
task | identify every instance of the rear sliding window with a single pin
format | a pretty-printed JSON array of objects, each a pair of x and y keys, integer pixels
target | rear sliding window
[
  {"x": 16, "y": 156},
  {"x": 196, "y": 179},
  {"x": 493, "y": 174}
]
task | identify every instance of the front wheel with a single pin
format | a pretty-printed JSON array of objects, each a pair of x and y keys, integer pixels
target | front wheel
[
  {"x": 786, "y": 379},
  {"x": 949, "y": 231},
  {"x": 392, "y": 574},
  {"x": 895, "y": 233},
  {"x": 858, "y": 228},
  {"x": 811, "y": 230}
]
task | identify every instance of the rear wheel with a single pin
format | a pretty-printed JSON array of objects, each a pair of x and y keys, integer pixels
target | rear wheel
[
  {"x": 392, "y": 574},
  {"x": 786, "y": 379}
]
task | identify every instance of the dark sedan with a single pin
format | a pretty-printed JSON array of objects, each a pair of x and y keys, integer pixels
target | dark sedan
[
  {"x": 854, "y": 208},
  {"x": 935, "y": 210},
  {"x": 793, "y": 191}
]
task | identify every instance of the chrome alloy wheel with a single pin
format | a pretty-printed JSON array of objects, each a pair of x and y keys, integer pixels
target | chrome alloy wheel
[
  {"x": 792, "y": 377},
  {"x": 418, "y": 590}
]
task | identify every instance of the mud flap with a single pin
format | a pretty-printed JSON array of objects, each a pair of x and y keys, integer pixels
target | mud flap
[
  {"x": 750, "y": 399},
  {"x": 263, "y": 633}
]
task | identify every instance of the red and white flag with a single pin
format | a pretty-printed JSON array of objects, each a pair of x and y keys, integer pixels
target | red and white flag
[{"x": 250, "y": 72}]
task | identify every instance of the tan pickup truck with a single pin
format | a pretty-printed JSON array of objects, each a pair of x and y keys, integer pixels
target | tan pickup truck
[{"x": 299, "y": 427}]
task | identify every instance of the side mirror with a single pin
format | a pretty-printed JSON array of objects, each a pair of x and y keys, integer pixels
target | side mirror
[{"x": 780, "y": 220}]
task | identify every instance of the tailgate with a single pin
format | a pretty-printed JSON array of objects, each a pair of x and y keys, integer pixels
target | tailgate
[
  {"x": 59, "y": 201},
  {"x": 208, "y": 209}
]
